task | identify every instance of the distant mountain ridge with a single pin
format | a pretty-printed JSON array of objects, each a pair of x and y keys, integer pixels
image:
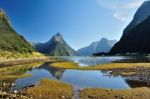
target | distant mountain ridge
[
  {"x": 141, "y": 14},
  {"x": 9, "y": 39},
  {"x": 56, "y": 46},
  {"x": 104, "y": 45},
  {"x": 137, "y": 39}
]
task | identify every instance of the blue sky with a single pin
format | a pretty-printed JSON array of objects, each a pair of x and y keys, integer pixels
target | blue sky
[{"x": 79, "y": 21}]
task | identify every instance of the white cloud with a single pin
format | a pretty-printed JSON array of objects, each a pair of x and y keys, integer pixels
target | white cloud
[
  {"x": 131, "y": 5},
  {"x": 119, "y": 16},
  {"x": 121, "y": 8}
]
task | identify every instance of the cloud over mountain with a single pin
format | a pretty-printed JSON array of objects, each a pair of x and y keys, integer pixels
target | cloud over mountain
[{"x": 121, "y": 9}]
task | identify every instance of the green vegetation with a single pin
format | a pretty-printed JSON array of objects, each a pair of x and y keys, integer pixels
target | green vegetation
[
  {"x": 65, "y": 65},
  {"x": 4, "y": 77},
  {"x": 71, "y": 65},
  {"x": 10, "y": 41},
  {"x": 17, "y": 55},
  {"x": 58, "y": 50},
  {"x": 13, "y": 45},
  {"x": 51, "y": 89},
  {"x": 97, "y": 93},
  {"x": 16, "y": 71}
]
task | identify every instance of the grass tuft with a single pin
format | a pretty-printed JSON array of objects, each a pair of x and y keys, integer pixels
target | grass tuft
[
  {"x": 71, "y": 65},
  {"x": 51, "y": 89}
]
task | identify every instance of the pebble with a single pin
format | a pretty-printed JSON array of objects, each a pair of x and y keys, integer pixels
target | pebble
[
  {"x": 63, "y": 97},
  {"x": 4, "y": 93},
  {"x": 123, "y": 97},
  {"x": 12, "y": 84},
  {"x": 4, "y": 84},
  {"x": 15, "y": 91},
  {"x": 90, "y": 96},
  {"x": 108, "y": 89}
]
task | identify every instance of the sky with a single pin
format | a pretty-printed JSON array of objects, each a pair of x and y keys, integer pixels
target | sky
[{"x": 79, "y": 21}]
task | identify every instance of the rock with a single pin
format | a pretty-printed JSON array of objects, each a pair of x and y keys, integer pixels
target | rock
[
  {"x": 108, "y": 90},
  {"x": 123, "y": 97},
  {"x": 90, "y": 96},
  {"x": 4, "y": 84},
  {"x": 40, "y": 95},
  {"x": 116, "y": 96},
  {"x": 62, "y": 97},
  {"x": 4, "y": 93},
  {"x": 15, "y": 91},
  {"x": 13, "y": 95},
  {"x": 12, "y": 84}
]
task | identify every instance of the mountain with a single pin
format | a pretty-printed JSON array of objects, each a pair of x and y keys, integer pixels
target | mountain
[
  {"x": 56, "y": 46},
  {"x": 104, "y": 45},
  {"x": 141, "y": 14},
  {"x": 9, "y": 39},
  {"x": 89, "y": 50},
  {"x": 56, "y": 73},
  {"x": 137, "y": 40}
]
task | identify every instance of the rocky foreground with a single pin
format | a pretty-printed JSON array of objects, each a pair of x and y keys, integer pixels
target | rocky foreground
[
  {"x": 137, "y": 93},
  {"x": 6, "y": 93},
  {"x": 51, "y": 89}
]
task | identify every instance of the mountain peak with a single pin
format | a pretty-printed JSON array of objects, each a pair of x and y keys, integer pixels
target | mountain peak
[
  {"x": 147, "y": 1},
  {"x": 10, "y": 40},
  {"x": 56, "y": 47},
  {"x": 2, "y": 12},
  {"x": 141, "y": 14},
  {"x": 103, "y": 45},
  {"x": 104, "y": 39},
  {"x": 58, "y": 34},
  {"x": 58, "y": 37},
  {"x": 4, "y": 20},
  {"x": 136, "y": 36}
]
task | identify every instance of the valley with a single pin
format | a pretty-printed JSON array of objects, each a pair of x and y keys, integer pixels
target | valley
[{"x": 71, "y": 63}]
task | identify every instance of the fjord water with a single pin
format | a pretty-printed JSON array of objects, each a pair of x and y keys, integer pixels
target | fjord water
[
  {"x": 77, "y": 78},
  {"x": 92, "y": 61}
]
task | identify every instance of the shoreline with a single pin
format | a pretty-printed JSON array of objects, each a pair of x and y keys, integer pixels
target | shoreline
[
  {"x": 61, "y": 90},
  {"x": 109, "y": 66},
  {"x": 135, "y": 70},
  {"x": 86, "y": 93},
  {"x": 21, "y": 61},
  {"x": 138, "y": 72}
]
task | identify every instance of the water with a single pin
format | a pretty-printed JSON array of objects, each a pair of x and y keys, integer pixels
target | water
[
  {"x": 92, "y": 61},
  {"x": 77, "y": 78}
]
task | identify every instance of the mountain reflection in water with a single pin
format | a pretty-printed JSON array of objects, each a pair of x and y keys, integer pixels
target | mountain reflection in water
[
  {"x": 77, "y": 78},
  {"x": 56, "y": 73}
]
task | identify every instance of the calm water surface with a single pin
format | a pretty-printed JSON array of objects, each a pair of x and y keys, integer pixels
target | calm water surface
[
  {"x": 88, "y": 61},
  {"x": 77, "y": 78}
]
